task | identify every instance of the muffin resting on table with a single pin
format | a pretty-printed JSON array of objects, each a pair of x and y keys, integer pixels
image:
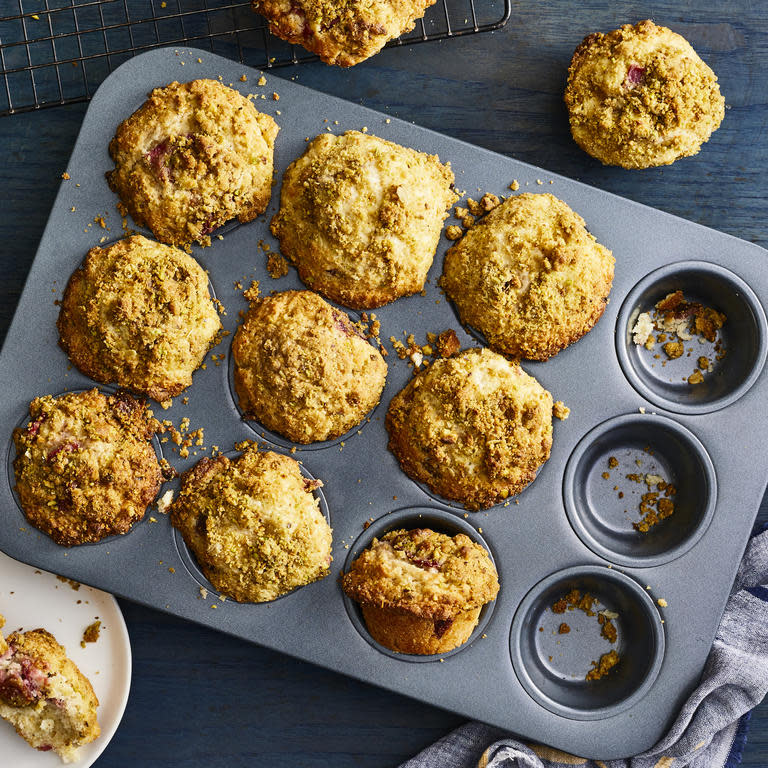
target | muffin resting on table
[
  {"x": 44, "y": 696},
  {"x": 475, "y": 428},
  {"x": 253, "y": 524},
  {"x": 361, "y": 217},
  {"x": 85, "y": 467},
  {"x": 421, "y": 591},
  {"x": 529, "y": 276},
  {"x": 303, "y": 369},
  {"x": 343, "y": 32},
  {"x": 193, "y": 156},
  {"x": 138, "y": 313},
  {"x": 640, "y": 96}
]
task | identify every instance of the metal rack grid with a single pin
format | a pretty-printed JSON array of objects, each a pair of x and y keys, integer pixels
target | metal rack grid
[{"x": 56, "y": 52}]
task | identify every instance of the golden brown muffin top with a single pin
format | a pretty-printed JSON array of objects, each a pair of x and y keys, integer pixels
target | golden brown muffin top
[
  {"x": 426, "y": 573},
  {"x": 85, "y": 467},
  {"x": 253, "y": 524},
  {"x": 529, "y": 276},
  {"x": 193, "y": 156},
  {"x": 138, "y": 313},
  {"x": 474, "y": 428},
  {"x": 343, "y": 32},
  {"x": 360, "y": 217},
  {"x": 640, "y": 96},
  {"x": 303, "y": 369}
]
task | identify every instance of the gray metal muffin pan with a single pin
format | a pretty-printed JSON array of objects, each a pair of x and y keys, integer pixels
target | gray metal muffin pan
[{"x": 710, "y": 442}]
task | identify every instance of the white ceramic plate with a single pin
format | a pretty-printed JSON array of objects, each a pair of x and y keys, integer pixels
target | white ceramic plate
[{"x": 31, "y": 598}]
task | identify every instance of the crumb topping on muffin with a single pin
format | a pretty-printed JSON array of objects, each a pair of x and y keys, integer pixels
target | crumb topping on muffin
[
  {"x": 640, "y": 96},
  {"x": 85, "y": 467},
  {"x": 193, "y": 156},
  {"x": 529, "y": 276},
  {"x": 474, "y": 428},
  {"x": 303, "y": 369},
  {"x": 253, "y": 524},
  {"x": 139, "y": 313},
  {"x": 361, "y": 217}
]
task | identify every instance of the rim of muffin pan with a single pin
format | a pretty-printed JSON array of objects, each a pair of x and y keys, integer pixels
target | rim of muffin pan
[
  {"x": 643, "y": 444},
  {"x": 551, "y": 666},
  {"x": 744, "y": 336},
  {"x": 439, "y": 520},
  {"x": 189, "y": 561},
  {"x": 11, "y": 455},
  {"x": 275, "y": 439}
]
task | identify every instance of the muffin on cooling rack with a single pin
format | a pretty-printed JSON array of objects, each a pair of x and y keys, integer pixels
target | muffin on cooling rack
[
  {"x": 44, "y": 696},
  {"x": 303, "y": 369},
  {"x": 253, "y": 524},
  {"x": 474, "y": 428},
  {"x": 640, "y": 96},
  {"x": 139, "y": 314},
  {"x": 421, "y": 591},
  {"x": 341, "y": 32},
  {"x": 193, "y": 156},
  {"x": 85, "y": 467},
  {"x": 529, "y": 276},
  {"x": 361, "y": 217}
]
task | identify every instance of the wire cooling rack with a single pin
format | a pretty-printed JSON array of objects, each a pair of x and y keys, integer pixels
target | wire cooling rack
[{"x": 58, "y": 51}]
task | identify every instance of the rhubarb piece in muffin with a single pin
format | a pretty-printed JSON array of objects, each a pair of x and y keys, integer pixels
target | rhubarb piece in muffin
[
  {"x": 421, "y": 591},
  {"x": 85, "y": 466},
  {"x": 529, "y": 276},
  {"x": 193, "y": 156},
  {"x": 640, "y": 96},
  {"x": 303, "y": 369},
  {"x": 361, "y": 217},
  {"x": 474, "y": 428},
  {"x": 253, "y": 524},
  {"x": 44, "y": 696},
  {"x": 138, "y": 313},
  {"x": 341, "y": 32}
]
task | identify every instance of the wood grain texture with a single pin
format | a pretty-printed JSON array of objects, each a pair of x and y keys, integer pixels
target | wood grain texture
[{"x": 202, "y": 699}]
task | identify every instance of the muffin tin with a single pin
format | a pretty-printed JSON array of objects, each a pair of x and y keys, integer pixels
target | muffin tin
[{"x": 565, "y": 530}]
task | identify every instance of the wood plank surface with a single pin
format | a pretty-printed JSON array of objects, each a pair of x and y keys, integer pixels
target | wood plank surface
[{"x": 200, "y": 698}]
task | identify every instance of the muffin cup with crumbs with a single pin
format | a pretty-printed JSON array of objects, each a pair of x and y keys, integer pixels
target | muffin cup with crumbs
[{"x": 420, "y": 591}]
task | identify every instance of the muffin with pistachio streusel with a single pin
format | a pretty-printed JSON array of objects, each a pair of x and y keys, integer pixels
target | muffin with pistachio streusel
[
  {"x": 343, "y": 32},
  {"x": 253, "y": 524},
  {"x": 361, "y": 217},
  {"x": 44, "y": 696},
  {"x": 475, "y": 428},
  {"x": 529, "y": 276},
  {"x": 140, "y": 314},
  {"x": 303, "y": 369},
  {"x": 85, "y": 465},
  {"x": 421, "y": 591},
  {"x": 640, "y": 96},
  {"x": 192, "y": 157}
]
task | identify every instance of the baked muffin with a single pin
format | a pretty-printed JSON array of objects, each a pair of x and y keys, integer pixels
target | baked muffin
[
  {"x": 475, "y": 428},
  {"x": 138, "y": 313},
  {"x": 85, "y": 467},
  {"x": 253, "y": 524},
  {"x": 44, "y": 696},
  {"x": 529, "y": 276},
  {"x": 303, "y": 369},
  {"x": 193, "y": 156},
  {"x": 421, "y": 591},
  {"x": 361, "y": 217},
  {"x": 640, "y": 96},
  {"x": 341, "y": 32}
]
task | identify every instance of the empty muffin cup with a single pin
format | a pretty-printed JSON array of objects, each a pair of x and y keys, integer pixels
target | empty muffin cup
[
  {"x": 587, "y": 642},
  {"x": 689, "y": 373},
  {"x": 386, "y": 622},
  {"x": 640, "y": 490}
]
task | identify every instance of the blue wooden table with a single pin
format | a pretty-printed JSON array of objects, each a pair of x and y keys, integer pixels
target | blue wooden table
[{"x": 201, "y": 699}]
